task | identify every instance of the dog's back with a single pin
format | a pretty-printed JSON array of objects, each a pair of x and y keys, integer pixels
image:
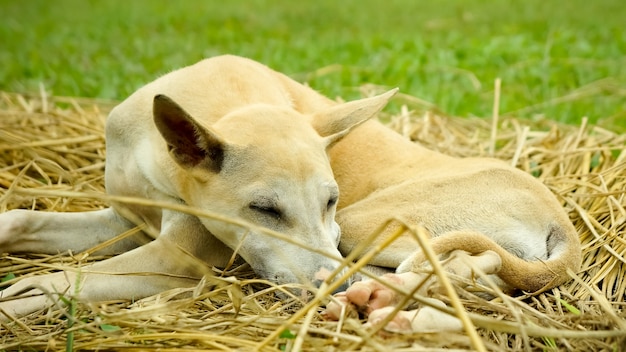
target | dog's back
[{"x": 216, "y": 86}]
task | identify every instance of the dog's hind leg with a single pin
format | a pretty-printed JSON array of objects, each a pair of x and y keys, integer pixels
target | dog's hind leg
[{"x": 25, "y": 231}]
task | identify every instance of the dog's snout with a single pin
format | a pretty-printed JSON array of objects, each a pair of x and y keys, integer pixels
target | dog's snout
[
  {"x": 323, "y": 274},
  {"x": 344, "y": 286}
]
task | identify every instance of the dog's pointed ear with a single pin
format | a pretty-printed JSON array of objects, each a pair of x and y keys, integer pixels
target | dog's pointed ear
[
  {"x": 189, "y": 143},
  {"x": 338, "y": 121}
]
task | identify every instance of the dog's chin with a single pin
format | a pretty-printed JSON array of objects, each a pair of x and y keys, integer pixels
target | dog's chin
[
  {"x": 302, "y": 293},
  {"x": 291, "y": 287}
]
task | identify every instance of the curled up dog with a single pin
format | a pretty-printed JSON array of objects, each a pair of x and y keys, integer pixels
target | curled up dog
[{"x": 233, "y": 137}]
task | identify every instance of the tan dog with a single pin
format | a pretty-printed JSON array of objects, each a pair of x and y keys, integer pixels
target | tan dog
[
  {"x": 226, "y": 135},
  {"x": 507, "y": 222}
]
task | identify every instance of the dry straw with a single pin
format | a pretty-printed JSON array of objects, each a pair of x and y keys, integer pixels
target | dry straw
[{"x": 52, "y": 159}]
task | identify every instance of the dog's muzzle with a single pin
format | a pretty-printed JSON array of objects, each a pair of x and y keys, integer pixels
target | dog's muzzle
[{"x": 323, "y": 274}]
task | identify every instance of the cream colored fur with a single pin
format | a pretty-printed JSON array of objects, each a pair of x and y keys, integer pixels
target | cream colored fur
[{"x": 257, "y": 151}]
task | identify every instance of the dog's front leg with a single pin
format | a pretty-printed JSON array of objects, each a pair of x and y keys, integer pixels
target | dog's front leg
[
  {"x": 141, "y": 272},
  {"x": 26, "y": 231},
  {"x": 165, "y": 263}
]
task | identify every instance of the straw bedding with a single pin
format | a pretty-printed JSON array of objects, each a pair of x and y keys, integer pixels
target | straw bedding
[{"x": 52, "y": 159}]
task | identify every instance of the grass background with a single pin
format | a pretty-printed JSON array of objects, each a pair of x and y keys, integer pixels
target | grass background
[{"x": 557, "y": 59}]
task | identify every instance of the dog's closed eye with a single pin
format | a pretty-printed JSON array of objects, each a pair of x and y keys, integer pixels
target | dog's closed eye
[
  {"x": 331, "y": 203},
  {"x": 266, "y": 210}
]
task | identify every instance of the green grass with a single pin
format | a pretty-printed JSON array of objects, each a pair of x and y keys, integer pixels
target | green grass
[{"x": 558, "y": 59}]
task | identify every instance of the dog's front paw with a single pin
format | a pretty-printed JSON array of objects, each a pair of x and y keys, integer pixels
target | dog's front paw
[
  {"x": 13, "y": 224},
  {"x": 376, "y": 301},
  {"x": 34, "y": 293},
  {"x": 425, "y": 319},
  {"x": 370, "y": 295}
]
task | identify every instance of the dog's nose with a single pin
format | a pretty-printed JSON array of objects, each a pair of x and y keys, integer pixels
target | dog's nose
[
  {"x": 324, "y": 274},
  {"x": 344, "y": 286}
]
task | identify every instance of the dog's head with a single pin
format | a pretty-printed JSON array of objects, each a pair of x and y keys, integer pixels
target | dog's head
[{"x": 266, "y": 165}]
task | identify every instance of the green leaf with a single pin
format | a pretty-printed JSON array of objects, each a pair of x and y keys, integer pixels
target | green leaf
[
  {"x": 595, "y": 160},
  {"x": 65, "y": 300},
  {"x": 550, "y": 343},
  {"x": 287, "y": 334},
  {"x": 535, "y": 170},
  {"x": 570, "y": 307},
  {"x": 109, "y": 328},
  {"x": 7, "y": 277}
]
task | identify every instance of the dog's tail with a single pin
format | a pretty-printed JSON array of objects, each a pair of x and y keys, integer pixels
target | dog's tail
[{"x": 564, "y": 252}]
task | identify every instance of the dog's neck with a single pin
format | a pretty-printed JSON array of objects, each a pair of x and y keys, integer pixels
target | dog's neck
[{"x": 363, "y": 154}]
